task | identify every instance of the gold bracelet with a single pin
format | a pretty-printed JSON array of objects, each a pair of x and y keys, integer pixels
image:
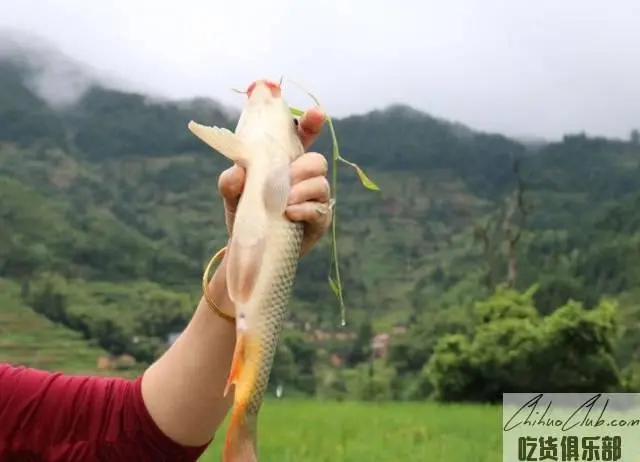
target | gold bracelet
[{"x": 205, "y": 287}]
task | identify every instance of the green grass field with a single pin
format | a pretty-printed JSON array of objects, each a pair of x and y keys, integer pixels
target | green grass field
[{"x": 316, "y": 431}]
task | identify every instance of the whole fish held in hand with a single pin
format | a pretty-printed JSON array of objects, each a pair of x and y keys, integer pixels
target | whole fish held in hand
[{"x": 262, "y": 255}]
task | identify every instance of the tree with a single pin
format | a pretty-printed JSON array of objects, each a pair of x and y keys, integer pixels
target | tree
[
  {"x": 513, "y": 349},
  {"x": 361, "y": 347},
  {"x": 505, "y": 227},
  {"x": 513, "y": 223},
  {"x": 304, "y": 356}
]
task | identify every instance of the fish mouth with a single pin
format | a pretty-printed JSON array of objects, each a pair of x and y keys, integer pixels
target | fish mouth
[{"x": 272, "y": 87}]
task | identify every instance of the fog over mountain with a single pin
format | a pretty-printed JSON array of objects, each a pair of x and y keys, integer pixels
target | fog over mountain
[{"x": 534, "y": 69}]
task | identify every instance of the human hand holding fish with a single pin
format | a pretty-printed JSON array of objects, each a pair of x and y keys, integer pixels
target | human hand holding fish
[{"x": 310, "y": 190}]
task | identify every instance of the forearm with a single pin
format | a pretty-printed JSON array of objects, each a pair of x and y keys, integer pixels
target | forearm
[{"x": 183, "y": 390}]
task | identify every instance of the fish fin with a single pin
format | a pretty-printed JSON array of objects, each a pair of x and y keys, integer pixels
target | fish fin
[
  {"x": 244, "y": 365},
  {"x": 276, "y": 190},
  {"x": 237, "y": 362},
  {"x": 240, "y": 442},
  {"x": 221, "y": 139},
  {"x": 244, "y": 257}
]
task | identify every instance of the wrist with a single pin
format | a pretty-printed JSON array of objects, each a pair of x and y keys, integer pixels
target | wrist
[{"x": 218, "y": 292}]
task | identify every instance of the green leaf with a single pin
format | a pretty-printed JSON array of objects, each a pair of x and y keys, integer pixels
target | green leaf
[
  {"x": 296, "y": 112},
  {"x": 366, "y": 181},
  {"x": 334, "y": 287}
]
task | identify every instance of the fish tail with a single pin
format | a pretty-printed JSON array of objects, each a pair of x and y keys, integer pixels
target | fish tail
[{"x": 240, "y": 441}]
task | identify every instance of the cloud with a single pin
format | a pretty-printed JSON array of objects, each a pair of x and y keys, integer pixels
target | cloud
[
  {"x": 535, "y": 68},
  {"x": 52, "y": 76}
]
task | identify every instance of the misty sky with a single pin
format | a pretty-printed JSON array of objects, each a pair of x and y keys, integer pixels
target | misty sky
[{"x": 522, "y": 68}]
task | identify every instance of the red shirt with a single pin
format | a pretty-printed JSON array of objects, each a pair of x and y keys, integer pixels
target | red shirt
[{"x": 51, "y": 417}]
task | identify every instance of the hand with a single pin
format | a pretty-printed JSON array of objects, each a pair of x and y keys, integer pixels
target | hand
[{"x": 310, "y": 191}]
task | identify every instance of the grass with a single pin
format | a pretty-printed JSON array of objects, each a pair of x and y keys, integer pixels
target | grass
[{"x": 315, "y": 431}]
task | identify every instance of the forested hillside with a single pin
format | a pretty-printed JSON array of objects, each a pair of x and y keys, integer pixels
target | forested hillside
[{"x": 109, "y": 211}]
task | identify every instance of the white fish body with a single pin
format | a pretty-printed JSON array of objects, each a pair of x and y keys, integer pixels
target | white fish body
[{"x": 263, "y": 252}]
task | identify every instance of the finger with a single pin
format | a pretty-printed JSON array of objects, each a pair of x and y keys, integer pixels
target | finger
[
  {"x": 310, "y": 213},
  {"x": 314, "y": 189},
  {"x": 310, "y": 126},
  {"x": 308, "y": 166},
  {"x": 231, "y": 182}
]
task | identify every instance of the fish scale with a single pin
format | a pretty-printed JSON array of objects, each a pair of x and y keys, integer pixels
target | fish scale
[
  {"x": 274, "y": 311},
  {"x": 262, "y": 256}
]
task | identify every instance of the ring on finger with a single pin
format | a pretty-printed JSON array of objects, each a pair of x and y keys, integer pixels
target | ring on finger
[{"x": 323, "y": 209}]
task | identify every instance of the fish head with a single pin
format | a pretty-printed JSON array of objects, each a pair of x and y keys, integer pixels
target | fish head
[
  {"x": 267, "y": 113},
  {"x": 263, "y": 90}
]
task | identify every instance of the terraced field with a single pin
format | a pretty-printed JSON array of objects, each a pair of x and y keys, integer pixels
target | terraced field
[{"x": 29, "y": 339}]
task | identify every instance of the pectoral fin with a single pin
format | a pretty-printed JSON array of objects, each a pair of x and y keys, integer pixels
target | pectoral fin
[
  {"x": 222, "y": 140},
  {"x": 244, "y": 259},
  {"x": 276, "y": 190},
  {"x": 237, "y": 362}
]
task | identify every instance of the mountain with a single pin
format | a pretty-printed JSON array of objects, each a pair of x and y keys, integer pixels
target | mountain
[{"x": 109, "y": 211}]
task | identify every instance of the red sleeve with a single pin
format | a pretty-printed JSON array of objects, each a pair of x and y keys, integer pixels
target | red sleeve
[{"x": 56, "y": 417}]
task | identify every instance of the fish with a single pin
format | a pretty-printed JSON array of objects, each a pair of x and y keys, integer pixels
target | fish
[{"x": 262, "y": 253}]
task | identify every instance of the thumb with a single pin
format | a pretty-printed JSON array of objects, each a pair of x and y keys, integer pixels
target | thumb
[{"x": 230, "y": 186}]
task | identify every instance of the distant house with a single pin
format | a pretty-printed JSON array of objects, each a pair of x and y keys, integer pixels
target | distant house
[
  {"x": 321, "y": 335},
  {"x": 121, "y": 362},
  {"x": 342, "y": 336},
  {"x": 379, "y": 345}
]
